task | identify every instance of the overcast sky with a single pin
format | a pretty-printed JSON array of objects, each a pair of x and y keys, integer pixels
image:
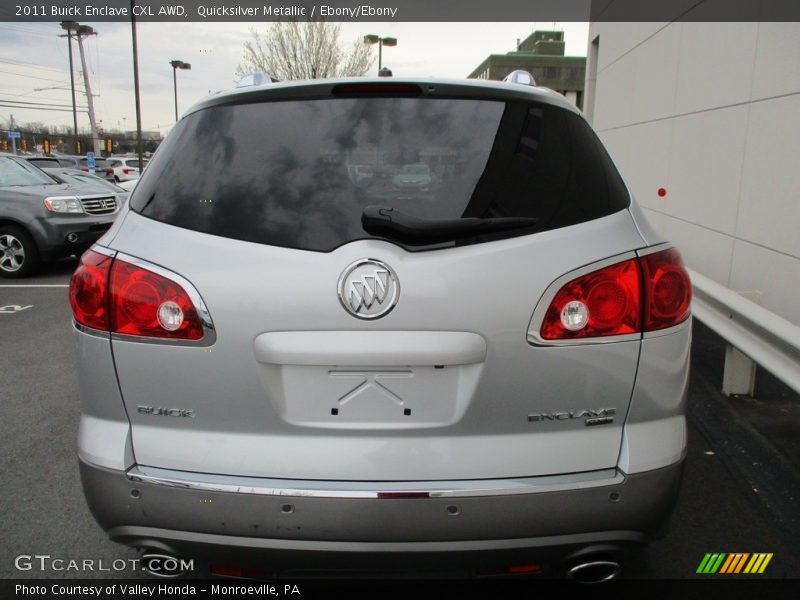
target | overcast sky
[{"x": 33, "y": 56}]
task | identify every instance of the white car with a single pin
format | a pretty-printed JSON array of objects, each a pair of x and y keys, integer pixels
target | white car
[{"x": 125, "y": 169}]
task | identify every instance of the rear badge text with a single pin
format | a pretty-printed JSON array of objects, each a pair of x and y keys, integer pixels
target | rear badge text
[{"x": 600, "y": 416}]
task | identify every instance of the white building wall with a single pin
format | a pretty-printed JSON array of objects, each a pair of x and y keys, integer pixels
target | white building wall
[{"x": 711, "y": 113}]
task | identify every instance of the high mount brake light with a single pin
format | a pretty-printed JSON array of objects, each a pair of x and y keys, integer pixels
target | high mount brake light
[
  {"x": 350, "y": 90},
  {"x": 637, "y": 295},
  {"x": 121, "y": 297}
]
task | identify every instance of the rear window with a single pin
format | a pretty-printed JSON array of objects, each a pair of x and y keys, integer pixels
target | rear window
[
  {"x": 44, "y": 162},
  {"x": 15, "y": 172},
  {"x": 299, "y": 173}
]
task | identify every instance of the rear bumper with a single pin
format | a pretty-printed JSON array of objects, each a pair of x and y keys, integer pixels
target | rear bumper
[{"x": 280, "y": 531}]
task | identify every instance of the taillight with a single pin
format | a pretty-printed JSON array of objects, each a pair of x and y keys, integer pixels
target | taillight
[
  {"x": 88, "y": 290},
  {"x": 118, "y": 296},
  {"x": 668, "y": 290},
  {"x": 601, "y": 303},
  {"x": 145, "y": 303},
  {"x": 637, "y": 295},
  {"x": 127, "y": 171}
]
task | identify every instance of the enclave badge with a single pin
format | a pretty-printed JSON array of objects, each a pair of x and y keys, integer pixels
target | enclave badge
[{"x": 600, "y": 416}]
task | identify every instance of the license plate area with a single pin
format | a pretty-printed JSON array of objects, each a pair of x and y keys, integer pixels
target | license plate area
[{"x": 371, "y": 397}]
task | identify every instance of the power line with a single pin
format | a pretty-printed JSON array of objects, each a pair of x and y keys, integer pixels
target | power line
[
  {"x": 30, "y": 76},
  {"x": 26, "y": 102},
  {"x": 26, "y": 30},
  {"x": 39, "y": 108},
  {"x": 22, "y": 63}
]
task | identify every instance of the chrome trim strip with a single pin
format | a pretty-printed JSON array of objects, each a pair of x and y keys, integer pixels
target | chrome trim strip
[
  {"x": 377, "y": 490},
  {"x": 669, "y": 330},
  {"x": 653, "y": 249},
  {"x": 91, "y": 331},
  {"x": 103, "y": 250},
  {"x": 209, "y": 333}
]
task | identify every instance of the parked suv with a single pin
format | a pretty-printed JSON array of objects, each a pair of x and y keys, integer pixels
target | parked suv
[
  {"x": 286, "y": 366},
  {"x": 43, "y": 220},
  {"x": 124, "y": 169}
]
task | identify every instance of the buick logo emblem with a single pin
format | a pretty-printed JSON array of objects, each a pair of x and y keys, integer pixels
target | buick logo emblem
[{"x": 368, "y": 289}]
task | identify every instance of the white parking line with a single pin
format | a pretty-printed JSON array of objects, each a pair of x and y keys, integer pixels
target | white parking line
[{"x": 36, "y": 285}]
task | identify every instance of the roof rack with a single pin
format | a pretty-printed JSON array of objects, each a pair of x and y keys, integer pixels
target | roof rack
[
  {"x": 521, "y": 77},
  {"x": 256, "y": 78}
]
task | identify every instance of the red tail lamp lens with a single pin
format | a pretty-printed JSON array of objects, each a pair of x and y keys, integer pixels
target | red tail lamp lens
[
  {"x": 88, "y": 290},
  {"x": 113, "y": 295},
  {"x": 137, "y": 296},
  {"x": 668, "y": 290},
  {"x": 612, "y": 299},
  {"x": 641, "y": 294}
]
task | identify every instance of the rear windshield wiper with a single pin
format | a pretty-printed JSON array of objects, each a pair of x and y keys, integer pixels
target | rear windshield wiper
[{"x": 391, "y": 223}]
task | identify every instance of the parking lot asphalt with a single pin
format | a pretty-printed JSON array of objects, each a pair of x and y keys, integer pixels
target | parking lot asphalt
[{"x": 726, "y": 503}]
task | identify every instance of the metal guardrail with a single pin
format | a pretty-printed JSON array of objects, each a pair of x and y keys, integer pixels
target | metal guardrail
[{"x": 753, "y": 333}]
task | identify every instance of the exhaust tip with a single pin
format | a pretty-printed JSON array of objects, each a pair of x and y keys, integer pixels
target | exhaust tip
[
  {"x": 72, "y": 238},
  {"x": 594, "y": 571}
]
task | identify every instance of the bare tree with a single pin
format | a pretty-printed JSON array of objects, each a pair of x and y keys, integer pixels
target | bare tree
[{"x": 303, "y": 50}]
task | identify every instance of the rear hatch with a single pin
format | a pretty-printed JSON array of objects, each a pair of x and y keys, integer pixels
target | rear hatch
[{"x": 346, "y": 348}]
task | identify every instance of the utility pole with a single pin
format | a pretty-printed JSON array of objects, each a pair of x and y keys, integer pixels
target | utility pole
[
  {"x": 85, "y": 30},
  {"x": 13, "y": 140},
  {"x": 69, "y": 26},
  {"x": 136, "y": 87}
]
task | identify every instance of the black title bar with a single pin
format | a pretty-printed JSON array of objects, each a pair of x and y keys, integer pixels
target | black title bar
[{"x": 400, "y": 10}]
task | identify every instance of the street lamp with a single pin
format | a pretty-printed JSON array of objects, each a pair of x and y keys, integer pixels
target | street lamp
[
  {"x": 381, "y": 41},
  {"x": 177, "y": 64}
]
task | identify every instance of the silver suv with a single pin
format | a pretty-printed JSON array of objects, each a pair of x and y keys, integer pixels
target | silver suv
[{"x": 285, "y": 365}]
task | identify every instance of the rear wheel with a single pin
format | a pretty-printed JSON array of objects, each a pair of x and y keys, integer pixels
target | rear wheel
[{"x": 19, "y": 256}]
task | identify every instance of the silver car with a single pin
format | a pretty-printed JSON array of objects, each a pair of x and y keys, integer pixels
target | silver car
[{"x": 283, "y": 367}]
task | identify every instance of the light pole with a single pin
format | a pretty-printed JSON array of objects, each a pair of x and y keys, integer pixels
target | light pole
[
  {"x": 177, "y": 64},
  {"x": 381, "y": 41}
]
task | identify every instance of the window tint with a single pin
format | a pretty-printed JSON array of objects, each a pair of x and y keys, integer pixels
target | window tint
[
  {"x": 298, "y": 174},
  {"x": 44, "y": 162}
]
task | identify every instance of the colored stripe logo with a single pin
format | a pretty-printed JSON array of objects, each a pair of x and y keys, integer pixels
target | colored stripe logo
[{"x": 734, "y": 563}]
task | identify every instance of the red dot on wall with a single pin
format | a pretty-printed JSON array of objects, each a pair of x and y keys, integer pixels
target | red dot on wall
[{"x": 662, "y": 192}]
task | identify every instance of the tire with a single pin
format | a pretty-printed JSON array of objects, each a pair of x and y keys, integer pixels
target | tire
[{"x": 19, "y": 256}]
